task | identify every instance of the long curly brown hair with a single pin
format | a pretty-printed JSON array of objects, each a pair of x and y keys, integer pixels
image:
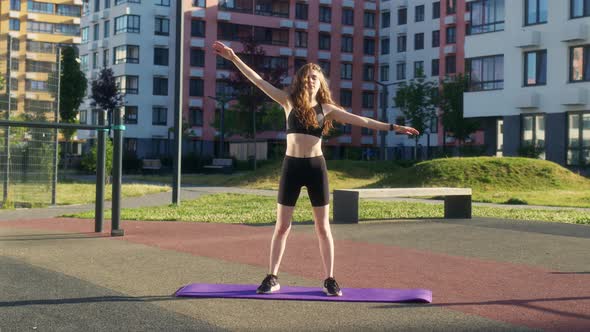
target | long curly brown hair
[{"x": 302, "y": 100}]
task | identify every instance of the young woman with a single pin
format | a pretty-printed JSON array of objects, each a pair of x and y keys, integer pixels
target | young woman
[{"x": 309, "y": 111}]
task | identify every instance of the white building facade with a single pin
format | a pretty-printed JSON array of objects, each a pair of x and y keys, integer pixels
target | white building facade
[
  {"x": 529, "y": 62},
  {"x": 409, "y": 43},
  {"x": 136, "y": 40}
]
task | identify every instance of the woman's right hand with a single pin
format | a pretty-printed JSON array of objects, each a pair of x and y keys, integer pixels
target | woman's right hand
[{"x": 223, "y": 50}]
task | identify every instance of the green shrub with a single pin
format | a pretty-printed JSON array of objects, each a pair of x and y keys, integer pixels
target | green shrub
[
  {"x": 530, "y": 150},
  {"x": 89, "y": 160}
]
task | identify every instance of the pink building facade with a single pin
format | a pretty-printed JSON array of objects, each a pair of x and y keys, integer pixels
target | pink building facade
[{"x": 339, "y": 35}]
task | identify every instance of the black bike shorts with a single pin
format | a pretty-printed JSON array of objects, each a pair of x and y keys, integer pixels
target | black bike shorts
[{"x": 309, "y": 172}]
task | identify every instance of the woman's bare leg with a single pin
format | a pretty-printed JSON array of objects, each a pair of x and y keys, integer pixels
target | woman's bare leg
[
  {"x": 321, "y": 216},
  {"x": 279, "y": 237}
]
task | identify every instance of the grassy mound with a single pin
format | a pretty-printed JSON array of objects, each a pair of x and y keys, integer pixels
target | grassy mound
[{"x": 487, "y": 173}]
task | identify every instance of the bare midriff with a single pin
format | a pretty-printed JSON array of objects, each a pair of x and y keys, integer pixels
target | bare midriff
[{"x": 303, "y": 146}]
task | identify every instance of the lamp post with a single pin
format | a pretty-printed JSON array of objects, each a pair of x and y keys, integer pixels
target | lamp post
[
  {"x": 383, "y": 118},
  {"x": 223, "y": 100}
]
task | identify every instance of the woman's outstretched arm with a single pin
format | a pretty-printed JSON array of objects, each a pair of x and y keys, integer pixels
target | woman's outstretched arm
[
  {"x": 277, "y": 95},
  {"x": 342, "y": 116}
]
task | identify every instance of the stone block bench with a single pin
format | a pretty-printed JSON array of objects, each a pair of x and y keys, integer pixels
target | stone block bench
[{"x": 346, "y": 201}]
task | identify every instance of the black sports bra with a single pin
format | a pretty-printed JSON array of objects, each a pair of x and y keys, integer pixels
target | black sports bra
[{"x": 294, "y": 124}]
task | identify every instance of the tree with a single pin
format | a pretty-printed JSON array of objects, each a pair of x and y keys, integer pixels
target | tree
[
  {"x": 253, "y": 110},
  {"x": 105, "y": 92},
  {"x": 1, "y": 82},
  {"x": 417, "y": 100},
  {"x": 451, "y": 104},
  {"x": 72, "y": 90}
]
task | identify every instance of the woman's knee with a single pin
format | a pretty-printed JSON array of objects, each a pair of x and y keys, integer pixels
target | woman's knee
[{"x": 282, "y": 228}]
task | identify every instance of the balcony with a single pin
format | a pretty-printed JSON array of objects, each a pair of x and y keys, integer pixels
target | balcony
[
  {"x": 257, "y": 7},
  {"x": 574, "y": 96},
  {"x": 527, "y": 100},
  {"x": 528, "y": 39},
  {"x": 574, "y": 32},
  {"x": 450, "y": 49},
  {"x": 450, "y": 19}
]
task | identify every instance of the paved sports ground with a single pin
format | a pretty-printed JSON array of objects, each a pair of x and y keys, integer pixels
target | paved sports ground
[{"x": 485, "y": 275}]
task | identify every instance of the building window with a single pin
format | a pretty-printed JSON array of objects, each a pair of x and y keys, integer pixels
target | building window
[
  {"x": 127, "y": 84},
  {"x": 160, "y": 56},
  {"x": 533, "y": 130},
  {"x": 535, "y": 12},
  {"x": 535, "y": 66},
  {"x": 402, "y": 16},
  {"x": 14, "y": 24},
  {"x": 130, "y": 145},
  {"x": 105, "y": 57},
  {"x": 368, "y": 99},
  {"x": 301, "y": 10},
  {"x": 324, "y": 41},
  {"x": 159, "y": 115},
  {"x": 107, "y": 29},
  {"x": 346, "y": 45},
  {"x": 126, "y": 54},
  {"x": 418, "y": 69},
  {"x": 83, "y": 115},
  {"x": 419, "y": 41},
  {"x": 130, "y": 116},
  {"x": 385, "y": 46},
  {"x": 580, "y": 63},
  {"x": 384, "y": 73},
  {"x": 368, "y": 72},
  {"x": 450, "y": 64},
  {"x": 419, "y": 13},
  {"x": 346, "y": 71},
  {"x": 95, "y": 60},
  {"x": 196, "y": 87},
  {"x": 400, "y": 69},
  {"x": 385, "y": 19},
  {"x": 95, "y": 32},
  {"x": 345, "y": 98},
  {"x": 127, "y": 23},
  {"x": 579, "y": 8},
  {"x": 401, "y": 43},
  {"x": 369, "y": 20},
  {"x": 164, "y": 3},
  {"x": 451, "y": 35},
  {"x": 195, "y": 117},
  {"x": 160, "y": 86},
  {"x": 435, "y": 10},
  {"x": 325, "y": 67},
  {"x": 436, "y": 38},
  {"x": 96, "y": 5},
  {"x": 578, "y": 139},
  {"x": 486, "y": 16},
  {"x": 199, "y": 3},
  {"x": 434, "y": 67},
  {"x": 347, "y": 16},
  {"x": 197, "y": 58},
  {"x": 162, "y": 26},
  {"x": 300, "y": 39},
  {"x": 369, "y": 46},
  {"x": 325, "y": 14},
  {"x": 84, "y": 62},
  {"x": 15, "y": 5},
  {"x": 451, "y": 6},
  {"x": 486, "y": 73},
  {"x": 197, "y": 28}
]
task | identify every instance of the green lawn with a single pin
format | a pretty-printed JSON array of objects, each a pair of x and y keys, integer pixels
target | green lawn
[{"x": 252, "y": 209}]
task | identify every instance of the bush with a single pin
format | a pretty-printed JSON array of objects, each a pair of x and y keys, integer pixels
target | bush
[
  {"x": 131, "y": 164},
  {"x": 516, "y": 201},
  {"x": 89, "y": 160},
  {"x": 530, "y": 150}
]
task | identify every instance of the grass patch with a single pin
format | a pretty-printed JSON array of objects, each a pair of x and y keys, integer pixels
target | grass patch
[{"x": 252, "y": 209}]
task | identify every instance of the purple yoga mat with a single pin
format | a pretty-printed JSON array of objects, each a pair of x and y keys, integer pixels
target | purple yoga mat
[{"x": 305, "y": 293}]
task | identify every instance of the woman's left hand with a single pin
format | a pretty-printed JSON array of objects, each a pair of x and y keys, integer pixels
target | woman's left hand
[{"x": 407, "y": 130}]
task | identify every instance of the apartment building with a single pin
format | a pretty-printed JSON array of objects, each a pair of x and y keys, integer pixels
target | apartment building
[
  {"x": 135, "y": 38},
  {"x": 410, "y": 43},
  {"x": 30, "y": 34},
  {"x": 530, "y": 76},
  {"x": 339, "y": 35}
]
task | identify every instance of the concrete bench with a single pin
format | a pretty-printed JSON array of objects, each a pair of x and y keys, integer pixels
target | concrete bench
[
  {"x": 223, "y": 165},
  {"x": 151, "y": 164},
  {"x": 346, "y": 201}
]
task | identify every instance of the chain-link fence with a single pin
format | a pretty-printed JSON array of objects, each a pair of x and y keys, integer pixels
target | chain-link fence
[{"x": 30, "y": 87}]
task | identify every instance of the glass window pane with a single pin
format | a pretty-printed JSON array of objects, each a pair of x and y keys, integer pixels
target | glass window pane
[
  {"x": 540, "y": 130},
  {"x": 577, "y": 63},
  {"x": 532, "y": 11},
  {"x": 542, "y": 74},
  {"x": 527, "y": 129},
  {"x": 573, "y": 130},
  {"x": 577, "y": 8},
  {"x": 586, "y": 131},
  {"x": 531, "y": 68},
  {"x": 543, "y": 11}
]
